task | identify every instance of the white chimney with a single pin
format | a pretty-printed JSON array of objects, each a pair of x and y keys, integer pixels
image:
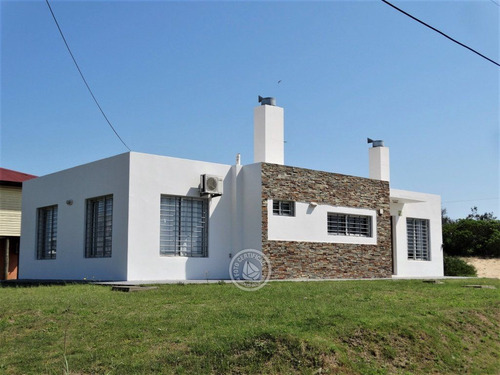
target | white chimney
[
  {"x": 268, "y": 136},
  {"x": 379, "y": 161}
]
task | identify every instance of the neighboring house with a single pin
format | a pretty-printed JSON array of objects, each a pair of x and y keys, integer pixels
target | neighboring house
[
  {"x": 145, "y": 217},
  {"x": 10, "y": 221}
]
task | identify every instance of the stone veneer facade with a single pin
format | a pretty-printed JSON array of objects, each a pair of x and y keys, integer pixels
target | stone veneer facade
[{"x": 315, "y": 260}]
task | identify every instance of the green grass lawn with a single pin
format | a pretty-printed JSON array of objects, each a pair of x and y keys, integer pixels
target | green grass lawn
[{"x": 348, "y": 327}]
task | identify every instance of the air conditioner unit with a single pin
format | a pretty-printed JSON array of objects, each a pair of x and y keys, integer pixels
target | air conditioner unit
[{"x": 211, "y": 185}]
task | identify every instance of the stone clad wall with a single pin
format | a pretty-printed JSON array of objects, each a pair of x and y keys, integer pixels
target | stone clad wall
[{"x": 291, "y": 259}]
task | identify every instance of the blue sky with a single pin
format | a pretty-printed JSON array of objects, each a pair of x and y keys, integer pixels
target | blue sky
[{"x": 181, "y": 79}]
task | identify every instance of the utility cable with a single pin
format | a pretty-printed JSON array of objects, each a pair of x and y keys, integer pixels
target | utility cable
[
  {"x": 83, "y": 78},
  {"x": 440, "y": 32},
  {"x": 472, "y": 200}
]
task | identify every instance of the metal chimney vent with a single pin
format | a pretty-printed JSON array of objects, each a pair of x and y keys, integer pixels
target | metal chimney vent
[
  {"x": 267, "y": 101},
  {"x": 378, "y": 143}
]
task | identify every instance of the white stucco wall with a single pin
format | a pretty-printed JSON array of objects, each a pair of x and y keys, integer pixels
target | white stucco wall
[
  {"x": 152, "y": 176},
  {"x": 408, "y": 204},
  {"x": 137, "y": 182},
  {"x": 310, "y": 224},
  {"x": 251, "y": 198},
  {"x": 103, "y": 177},
  {"x": 379, "y": 166},
  {"x": 269, "y": 134}
]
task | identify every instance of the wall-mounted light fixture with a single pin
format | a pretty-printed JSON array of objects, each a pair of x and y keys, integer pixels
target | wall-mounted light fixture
[{"x": 69, "y": 202}]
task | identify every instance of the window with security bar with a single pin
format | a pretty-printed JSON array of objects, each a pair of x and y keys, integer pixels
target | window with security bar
[
  {"x": 418, "y": 239},
  {"x": 99, "y": 227},
  {"x": 349, "y": 225},
  {"x": 46, "y": 243},
  {"x": 183, "y": 226},
  {"x": 283, "y": 208}
]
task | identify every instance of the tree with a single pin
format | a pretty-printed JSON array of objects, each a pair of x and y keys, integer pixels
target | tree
[
  {"x": 475, "y": 216},
  {"x": 445, "y": 219},
  {"x": 476, "y": 235}
]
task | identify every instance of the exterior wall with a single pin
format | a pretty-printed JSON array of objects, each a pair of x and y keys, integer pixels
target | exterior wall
[
  {"x": 108, "y": 176},
  {"x": 379, "y": 166},
  {"x": 315, "y": 259},
  {"x": 310, "y": 222},
  {"x": 137, "y": 182},
  {"x": 152, "y": 176},
  {"x": 251, "y": 193},
  {"x": 241, "y": 218},
  {"x": 269, "y": 134},
  {"x": 408, "y": 204},
  {"x": 10, "y": 211}
]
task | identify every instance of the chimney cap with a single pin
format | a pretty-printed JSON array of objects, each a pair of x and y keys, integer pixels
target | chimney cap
[
  {"x": 378, "y": 143},
  {"x": 267, "y": 101}
]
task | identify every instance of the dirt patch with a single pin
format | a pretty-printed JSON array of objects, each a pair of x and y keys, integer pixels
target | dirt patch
[{"x": 485, "y": 267}]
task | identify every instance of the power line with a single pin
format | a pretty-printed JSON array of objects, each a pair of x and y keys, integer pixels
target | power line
[
  {"x": 83, "y": 78},
  {"x": 472, "y": 200},
  {"x": 440, "y": 32},
  {"x": 494, "y": 2}
]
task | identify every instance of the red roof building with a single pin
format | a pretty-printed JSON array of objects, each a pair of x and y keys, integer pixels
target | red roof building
[
  {"x": 10, "y": 220},
  {"x": 10, "y": 177}
]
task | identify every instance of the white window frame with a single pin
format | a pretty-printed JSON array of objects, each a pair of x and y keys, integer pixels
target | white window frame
[
  {"x": 418, "y": 239},
  {"x": 310, "y": 224},
  {"x": 343, "y": 224}
]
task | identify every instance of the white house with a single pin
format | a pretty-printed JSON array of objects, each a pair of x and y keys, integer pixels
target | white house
[{"x": 141, "y": 217}]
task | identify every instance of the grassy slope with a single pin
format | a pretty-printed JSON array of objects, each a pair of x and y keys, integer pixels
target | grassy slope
[{"x": 351, "y": 327}]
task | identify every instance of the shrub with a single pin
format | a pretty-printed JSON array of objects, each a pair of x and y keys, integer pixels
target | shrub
[{"x": 454, "y": 266}]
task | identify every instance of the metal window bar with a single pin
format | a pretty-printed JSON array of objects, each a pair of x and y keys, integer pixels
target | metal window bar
[
  {"x": 349, "y": 225},
  {"x": 418, "y": 239},
  {"x": 47, "y": 233},
  {"x": 99, "y": 232},
  {"x": 283, "y": 208},
  {"x": 183, "y": 226}
]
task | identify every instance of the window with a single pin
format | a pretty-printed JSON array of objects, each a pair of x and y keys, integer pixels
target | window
[
  {"x": 183, "y": 226},
  {"x": 46, "y": 242},
  {"x": 418, "y": 239},
  {"x": 349, "y": 225},
  {"x": 284, "y": 208},
  {"x": 99, "y": 227}
]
